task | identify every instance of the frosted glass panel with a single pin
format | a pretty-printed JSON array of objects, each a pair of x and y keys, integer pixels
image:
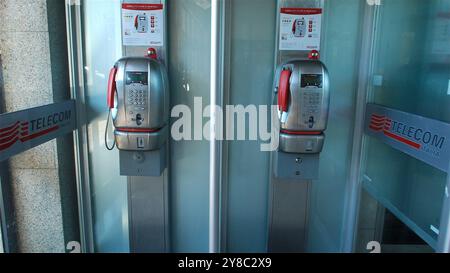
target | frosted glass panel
[
  {"x": 328, "y": 194},
  {"x": 412, "y": 190},
  {"x": 252, "y": 63},
  {"x": 189, "y": 66},
  {"x": 102, "y": 47},
  {"x": 412, "y": 63},
  {"x": 412, "y": 71}
]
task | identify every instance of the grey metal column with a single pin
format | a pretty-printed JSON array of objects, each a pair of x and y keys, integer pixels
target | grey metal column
[
  {"x": 225, "y": 81},
  {"x": 289, "y": 199},
  {"x": 148, "y": 214},
  {"x": 215, "y": 148},
  {"x": 148, "y": 197}
]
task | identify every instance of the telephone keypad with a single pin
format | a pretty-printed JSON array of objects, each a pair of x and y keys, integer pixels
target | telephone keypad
[
  {"x": 137, "y": 102},
  {"x": 137, "y": 97},
  {"x": 312, "y": 102}
]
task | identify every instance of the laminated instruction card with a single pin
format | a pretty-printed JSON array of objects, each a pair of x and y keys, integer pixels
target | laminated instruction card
[
  {"x": 143, "y": 24},
  {"x": 300, "y": 28}
]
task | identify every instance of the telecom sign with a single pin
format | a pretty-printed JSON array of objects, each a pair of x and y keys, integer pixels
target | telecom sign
[
  {"x": 425, "y": 139},
  {"x": 21, "y": 131}
]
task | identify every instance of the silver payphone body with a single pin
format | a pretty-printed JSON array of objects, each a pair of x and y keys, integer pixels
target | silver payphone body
[
  {"x": 303, "y": 101},
  {"x": 138, "y": 96}
]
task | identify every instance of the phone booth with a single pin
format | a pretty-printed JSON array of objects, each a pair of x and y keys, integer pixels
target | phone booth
[{"x": 351, "y": 120}]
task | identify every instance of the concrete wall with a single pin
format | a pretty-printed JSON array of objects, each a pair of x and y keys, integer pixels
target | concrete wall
[{"x": 34, "y": 60}]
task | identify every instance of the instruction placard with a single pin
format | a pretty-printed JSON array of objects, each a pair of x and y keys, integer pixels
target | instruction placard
[
  {"x": 143, "y": 24},
  {"x": 441, "y": 35},
  {"x": 300, "y": 28}
]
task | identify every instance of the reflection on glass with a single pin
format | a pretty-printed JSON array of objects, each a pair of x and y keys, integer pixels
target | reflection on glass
[
  {"x": 412, "y": 68},
  {"x": 328, "y": 194},
  {"x": 377, "y": 225},
  {"x": 102, "y": 47}
]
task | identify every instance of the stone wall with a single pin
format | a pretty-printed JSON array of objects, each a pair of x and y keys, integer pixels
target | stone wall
[{"x": 31, "y": 67}]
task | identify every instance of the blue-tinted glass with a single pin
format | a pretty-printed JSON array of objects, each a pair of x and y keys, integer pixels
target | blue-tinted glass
[
  {"x": 189, "y": 66},
  {"x": 411, "y": 73},
  {"x": 252, "y": 63},
  {"x": 189, "y": 70},
  {"x": 328, "y": 194}
]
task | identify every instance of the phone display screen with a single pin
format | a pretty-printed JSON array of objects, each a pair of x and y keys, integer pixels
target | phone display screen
[
  {"x": 137, "y": 77},
  {"x": 315, "y": 80}
]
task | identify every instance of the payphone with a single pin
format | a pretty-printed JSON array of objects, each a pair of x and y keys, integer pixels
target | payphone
[
  {"x": 303, "y": 101},
  {"x": 141, "y": 23},
  {"x": 299, "y": 27},
  {"x": 138, "y": 99}
]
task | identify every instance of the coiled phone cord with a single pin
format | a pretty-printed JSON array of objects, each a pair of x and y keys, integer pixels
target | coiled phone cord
[{"x": 106, "y": 134}]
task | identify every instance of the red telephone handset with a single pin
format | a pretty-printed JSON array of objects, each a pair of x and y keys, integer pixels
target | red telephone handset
[
  {"x": 136, "y": 24},
  {"x": 284, "y": 90},
  {"x": 112, "y": 87}
]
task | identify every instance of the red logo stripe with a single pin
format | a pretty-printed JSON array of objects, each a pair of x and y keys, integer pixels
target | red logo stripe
[
  {"x": 403, "y": 140},
  {"x": 9, "y": 128},
  {"x": 378, "y": 129},
  {"x": 9, "y": 132},
  {"x": 378, "y": 116},
  {"x": 41, "y": 133},
  {"x": 8, "y": 145},
  {"x": 378, "y": 123},
  {"x": 19, "y": 131},
  {"x": 381, "y": 122},
  {"x": 8, "y": 138}
]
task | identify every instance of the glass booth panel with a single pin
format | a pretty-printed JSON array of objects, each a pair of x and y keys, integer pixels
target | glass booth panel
[
  {"x": 189, "y": 65},
  {"x": 251, "y": 80},
  {"x": 411, "y": 74},
  {"x": 340, "y": 53},
  {"x": 102, "y": 47},
  {"x": 189, "y": 70}
]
